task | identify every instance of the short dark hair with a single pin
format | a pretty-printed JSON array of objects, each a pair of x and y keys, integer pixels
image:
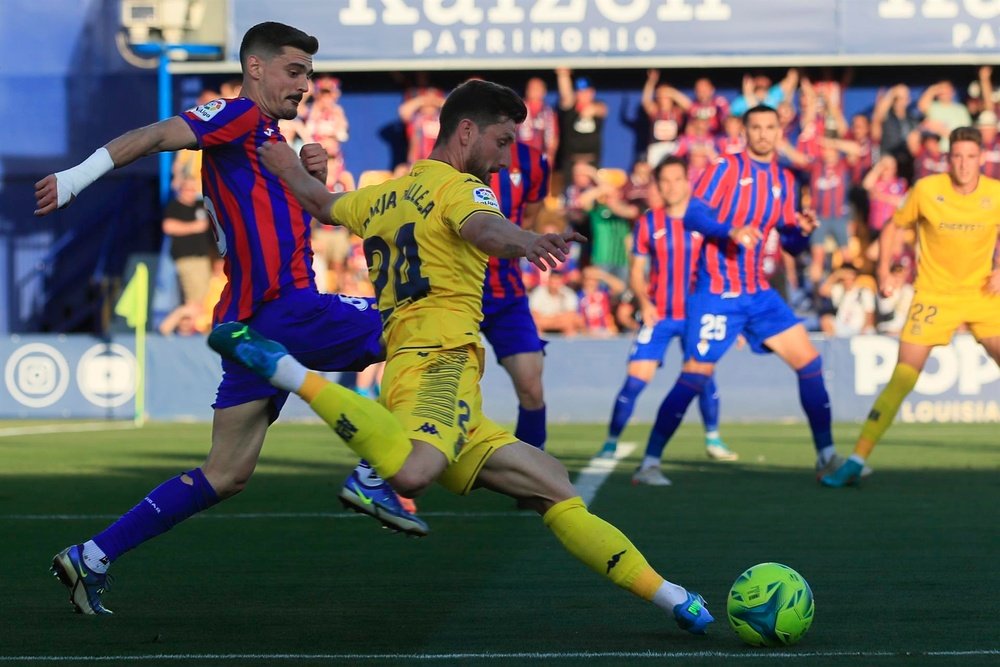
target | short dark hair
[
  {"x": 667, "y": 161},
  {"x": 966, "y": 134},
  {"x": 484, "y": 103},
  {"x": 760, "y": 108},
  {"x": 268, "y": 38}
]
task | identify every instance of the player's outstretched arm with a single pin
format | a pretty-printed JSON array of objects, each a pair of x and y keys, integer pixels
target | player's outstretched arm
[
  {"x": 701, "y": 218},
  {"x": 279, "y": 158},
  {"x": 494, "y": 235},
  {"x": 59, "y": 189}
]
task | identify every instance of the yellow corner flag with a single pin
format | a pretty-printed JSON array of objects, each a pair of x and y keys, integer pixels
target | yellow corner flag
[{"x": 133, "y": 305}]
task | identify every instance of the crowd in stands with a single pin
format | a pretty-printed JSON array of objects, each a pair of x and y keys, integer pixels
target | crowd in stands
[{"x": 853, "y": 171}]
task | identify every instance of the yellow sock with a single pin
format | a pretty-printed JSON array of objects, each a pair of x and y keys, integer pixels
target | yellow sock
[
  {"x": 884, "y": 410},
  {"x": 602, "y": 547},
  {"x": 368, "y": 429}
]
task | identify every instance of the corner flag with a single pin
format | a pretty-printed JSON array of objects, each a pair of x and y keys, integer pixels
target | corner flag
[{"x": 133, "y": 305}]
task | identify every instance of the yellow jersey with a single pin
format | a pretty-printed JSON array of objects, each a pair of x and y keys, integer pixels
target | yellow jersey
[
  {"x": 956, "y": 233},
  {"x": 428, "y": 280}
]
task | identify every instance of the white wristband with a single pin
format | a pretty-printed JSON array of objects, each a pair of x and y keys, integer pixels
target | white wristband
[{"x": 71, "y": 182}]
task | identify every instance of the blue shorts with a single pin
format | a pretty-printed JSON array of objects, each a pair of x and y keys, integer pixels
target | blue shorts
[
  {"x": 325, "y": 332},
  {"x": 651, "y": 342},
  {"x": 509, "y": 327},
  {"x": 714, "y": 322}
]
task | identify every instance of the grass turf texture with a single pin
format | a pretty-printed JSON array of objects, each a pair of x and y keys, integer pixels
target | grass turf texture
[{"x": 904, "y": 565}]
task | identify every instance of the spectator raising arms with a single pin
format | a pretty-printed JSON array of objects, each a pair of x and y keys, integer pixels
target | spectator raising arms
[{"x": 581, "y": 121}]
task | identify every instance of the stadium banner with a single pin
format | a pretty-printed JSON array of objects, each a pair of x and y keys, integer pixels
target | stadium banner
[
  {"x": 529, "y": 30},
  {"x": 492, "y": 34},
  {"x": 919, "y": 26},
  {"x": 80, "y": 377}
]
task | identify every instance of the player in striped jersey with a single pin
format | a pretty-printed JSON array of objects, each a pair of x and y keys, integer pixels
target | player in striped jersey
[
  {"x": 507, "y": 322},
  {"x": 671, "y": 251},
  {"x": 263, "y": 233},
  {"x": 735, "y": 206}
]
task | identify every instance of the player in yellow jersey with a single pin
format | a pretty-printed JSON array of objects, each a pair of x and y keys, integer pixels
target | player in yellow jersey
[
  {"x": 957, "y": 218},
  {"x": 427, "y": 236}
]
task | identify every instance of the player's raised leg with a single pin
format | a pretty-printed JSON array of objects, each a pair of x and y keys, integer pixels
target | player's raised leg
[
  {"x": 365, "y": 426},
  {"x": 540, "y": 482}
]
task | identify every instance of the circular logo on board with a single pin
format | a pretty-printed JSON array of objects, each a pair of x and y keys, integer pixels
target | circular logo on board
[
  {"x": 106, "y": 375},
  {"x": 36, "y": 375}
]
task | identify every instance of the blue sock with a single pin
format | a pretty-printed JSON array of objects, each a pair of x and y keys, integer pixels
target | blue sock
[
  {"x": 624, "y": 405},
  {"x": 164, "y": 507},
  {"x": 816, "y": 402},
  {"x": 672, "y": 410},
  {"x": 531, "y": 426},
  {"x": 708, "y": 404}
]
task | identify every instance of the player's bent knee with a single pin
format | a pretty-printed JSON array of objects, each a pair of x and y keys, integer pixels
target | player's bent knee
[{"x": 422, "y": 467}]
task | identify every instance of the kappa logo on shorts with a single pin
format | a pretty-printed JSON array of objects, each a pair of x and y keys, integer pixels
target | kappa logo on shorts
[
  {"x": 209, "y": 110},
  {"x": 428, "y": 428},
  {"x": 485, "y": 196}
]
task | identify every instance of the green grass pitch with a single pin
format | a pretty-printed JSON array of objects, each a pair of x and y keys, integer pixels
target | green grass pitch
[{"x": 904, "y": 569}]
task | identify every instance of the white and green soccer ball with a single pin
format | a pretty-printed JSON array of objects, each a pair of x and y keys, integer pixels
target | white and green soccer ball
[{"x": 770, "y": 605}]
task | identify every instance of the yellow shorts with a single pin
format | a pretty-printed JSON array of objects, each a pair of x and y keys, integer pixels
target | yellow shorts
[
  {"x": 934, "y": 317},
  {"x": 435, "y": 396}
]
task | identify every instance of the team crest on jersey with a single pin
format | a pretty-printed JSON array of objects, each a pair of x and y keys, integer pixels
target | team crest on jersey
[
  {"x": 485, "y": 196},
  {"x": 986, "y": 202},
  {"x": 776, "y": 190},
  {"x": 209, "y": 110},
  {"x": 515, "y": 178},
  {"x": 702, "y": 347}
]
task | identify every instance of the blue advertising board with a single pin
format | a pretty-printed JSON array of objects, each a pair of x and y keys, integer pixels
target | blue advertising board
[
  {"x": 491, "y": 34},
  {"x": 50, "y": 377}
]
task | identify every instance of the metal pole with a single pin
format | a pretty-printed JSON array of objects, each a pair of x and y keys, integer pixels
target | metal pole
[{"x": 165, "y": 97}]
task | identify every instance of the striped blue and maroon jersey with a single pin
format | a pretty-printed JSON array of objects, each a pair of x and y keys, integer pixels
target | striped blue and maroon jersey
[
  {"x": 673, "y": 255},
  {"x": 741, "y": 192},
  {"x": 829, "y": 184},
  {"x": 261, "y": 229},
  {"x": 526, "y": 181}
]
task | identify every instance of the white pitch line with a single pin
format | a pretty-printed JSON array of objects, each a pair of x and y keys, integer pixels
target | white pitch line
[
  {"x": 420, "y": 657},
  {"x": 590, "y": 479},
  {"x": 65, "y": 428}
]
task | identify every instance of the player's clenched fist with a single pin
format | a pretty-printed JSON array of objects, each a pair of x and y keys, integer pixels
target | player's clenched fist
[
  {"x": 547, "y": 251},
  {"x": 278, "y": 157},
  {"x": 314, "y": 159}
]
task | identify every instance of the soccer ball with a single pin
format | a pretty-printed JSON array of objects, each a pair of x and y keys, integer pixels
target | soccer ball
[{"x": 770, "y": 605}]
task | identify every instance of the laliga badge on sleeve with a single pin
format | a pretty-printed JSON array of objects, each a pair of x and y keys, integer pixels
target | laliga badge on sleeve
[
  {"x": 209, "y": 110},
  {"x": 485, "y": 196}
]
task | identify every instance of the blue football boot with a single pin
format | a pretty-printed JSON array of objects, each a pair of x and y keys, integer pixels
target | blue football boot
[
  {"x": 85, "y": 586},
  {"x": 381, "y": 503},
  {"x": 238, "y": 342},
  {"x": 692, "y": 614},
  {"x": 848, "y": 474}
]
